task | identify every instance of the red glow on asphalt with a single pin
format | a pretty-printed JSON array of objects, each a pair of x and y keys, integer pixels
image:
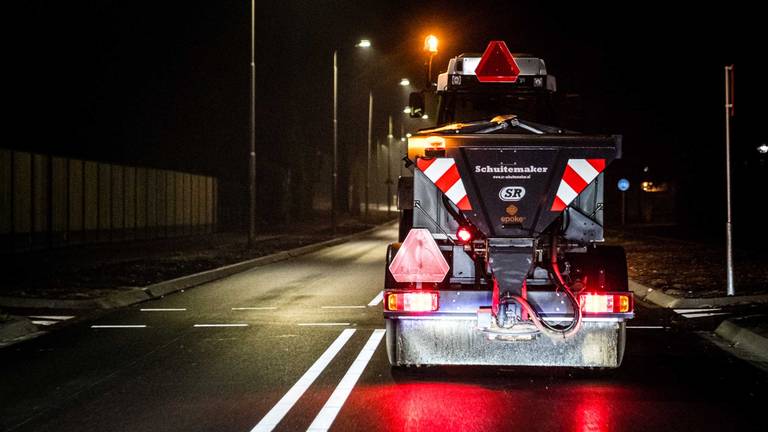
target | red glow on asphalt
[{"x": 499, "y": 403}]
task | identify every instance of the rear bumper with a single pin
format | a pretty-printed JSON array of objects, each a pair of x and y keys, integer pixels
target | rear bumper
[{"x": 457, "y": 341}]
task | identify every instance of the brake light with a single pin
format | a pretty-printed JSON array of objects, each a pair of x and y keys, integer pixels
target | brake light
[
  {"x": 597, "y": 303},
  {"x": 464, "y": 234},
  {"x": 421, "y": 301},
  {"x": 419, "y": 259}
]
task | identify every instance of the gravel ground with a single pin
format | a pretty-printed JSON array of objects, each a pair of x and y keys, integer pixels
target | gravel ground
[{"x": 688, "y": 269}]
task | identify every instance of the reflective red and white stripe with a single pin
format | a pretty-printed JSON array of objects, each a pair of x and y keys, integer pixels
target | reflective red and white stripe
[
  {"x": 445, "y": 175},
  {"x": 578, "y": 174}
]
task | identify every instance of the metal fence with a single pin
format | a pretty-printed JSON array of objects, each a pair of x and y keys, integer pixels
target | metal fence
[{"x": 48, "y": 201}]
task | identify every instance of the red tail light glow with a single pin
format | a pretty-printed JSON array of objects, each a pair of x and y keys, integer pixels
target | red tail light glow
[
  {"x": 420, "y": 301},
  {"x": 597, "y": 303},
  {"x": 464, "y": 234}
]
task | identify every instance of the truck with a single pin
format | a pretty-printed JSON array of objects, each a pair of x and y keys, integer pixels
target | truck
[{"x": 501, "y": 258}]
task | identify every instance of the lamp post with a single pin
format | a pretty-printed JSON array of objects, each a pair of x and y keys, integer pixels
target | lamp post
[
  {"x": 368, "y": 150},
  {"x": 389, "y": 167},
  {"x": 364, "y": 43},
  {"x": 252, "y": 153},
  {"x": 430, "y": 47}
]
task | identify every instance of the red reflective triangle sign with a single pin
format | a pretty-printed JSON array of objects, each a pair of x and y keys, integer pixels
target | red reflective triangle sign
[
  {"x": 497, "y": 64},
  {"x": 419, "y": 259}
]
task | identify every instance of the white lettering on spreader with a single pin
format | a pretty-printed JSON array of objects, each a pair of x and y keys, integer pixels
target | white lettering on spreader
[{"x": 510, "y": 169}]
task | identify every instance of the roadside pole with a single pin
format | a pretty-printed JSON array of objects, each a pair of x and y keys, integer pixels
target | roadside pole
[
  {"x": 368, "y": 161},
  {"x": 728, "y": 224},
  {"x": 335, "y": 176},
  {"x": 389, "y": 167},
  {"x": 623, "y": 208},
  {"x": 252, "y": 153}
]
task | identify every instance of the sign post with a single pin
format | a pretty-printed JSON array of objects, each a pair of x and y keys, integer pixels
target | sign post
[
  {"x": 623, "y": 186},
  {"x": 728, "y": 233}
]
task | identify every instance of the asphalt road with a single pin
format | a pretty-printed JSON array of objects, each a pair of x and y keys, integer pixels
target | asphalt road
[{"x": 297, "y": 344}]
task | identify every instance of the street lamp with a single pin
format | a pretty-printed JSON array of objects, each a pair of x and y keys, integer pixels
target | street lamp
[
  {"x": 252, "y": 153},
  {"x": 430, "y": 47},
  {"x": 762, "y": 148},
  {"x": 365, "y": 44},
  {"x": 405, "y": 82}
]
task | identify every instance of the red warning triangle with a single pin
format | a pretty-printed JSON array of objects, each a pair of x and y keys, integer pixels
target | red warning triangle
[
  {"x": 419, "y": 259},
  {"x": 497, "y": 64}
]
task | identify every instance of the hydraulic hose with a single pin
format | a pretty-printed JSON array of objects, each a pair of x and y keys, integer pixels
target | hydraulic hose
[{"x": 551, "y": 331}]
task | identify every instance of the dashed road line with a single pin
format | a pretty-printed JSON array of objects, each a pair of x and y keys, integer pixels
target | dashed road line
[
  {"x": 331, "y": 409},
  {"x": 342, "y": 307},
  {"x": 221, "y": 325},
  {"x": 323, "y": 324},
  {"x": 378, "y": 299},
  {"x": 648, "y": 327},
  {"x": 276, "y": 414},
  {"x": 254, "y": 308},
  {"x": 117, "y": 326},
  {"x": 163, "y": 309}
]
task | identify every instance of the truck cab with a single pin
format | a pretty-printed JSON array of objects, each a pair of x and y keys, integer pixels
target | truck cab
[{"x": 499, "y": 260}]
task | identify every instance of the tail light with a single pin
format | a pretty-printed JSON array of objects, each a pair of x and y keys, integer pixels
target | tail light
[
  {"x": 464, "y": 234},
  {"x": 419, "y": 301},
  {"x": 601, "y": 303}
]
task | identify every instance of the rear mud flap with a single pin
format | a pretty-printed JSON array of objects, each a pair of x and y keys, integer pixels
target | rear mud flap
[{"x": 458, "y": 342}]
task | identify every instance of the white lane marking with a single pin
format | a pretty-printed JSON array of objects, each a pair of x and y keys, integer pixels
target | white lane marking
[
  {"x": 646, "y": 327},
  {"x": 163, "y": 309},
  {"x": 323, "y": 324},
  {"x": 342, "y": 307},
  {"x": 220, "y": 325},
  {"x": 685, "y": 311},
  {"x": 52, "y": 317},
  {"x": 378, "y": 299},
  {"x": 254, "y": 308},
  {"x": 702, "y": 315},
  {"x": 106, "y": 326},
  {"x": 331, "y": 409},
  {"x": 44, "y": 322},
  {"x": 273, "y": 417}
]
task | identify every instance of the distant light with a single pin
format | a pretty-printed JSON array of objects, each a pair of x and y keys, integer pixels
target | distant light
[
  {"x": 408, "y": 135},
  {"x": 645, "y": 169},
  {"x": 402, "y": 139},
  {"x": 407, "y": 110},
  {"x": 364, "y": 43},
  {"x": 425, "y": 117},
  {"x": 405, "y": 82},
  {"x": 763, "y": 148},
  {"x": 430, "y": 44},
  {"x": 390, "y": 136}
]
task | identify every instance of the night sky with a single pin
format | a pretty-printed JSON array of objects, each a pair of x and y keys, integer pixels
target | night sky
[{"x": 165, "y": 84}]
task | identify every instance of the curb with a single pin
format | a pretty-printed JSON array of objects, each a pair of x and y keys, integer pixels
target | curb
[
  {"x": 661, "y": 299},
  {"x": 160, "y": 289},
  {"x": 16, "y": 328},
  {"x": 743, "y": 338}
]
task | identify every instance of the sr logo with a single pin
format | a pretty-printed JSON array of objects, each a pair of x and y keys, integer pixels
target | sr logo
[{"x": 512, "y": 193}]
